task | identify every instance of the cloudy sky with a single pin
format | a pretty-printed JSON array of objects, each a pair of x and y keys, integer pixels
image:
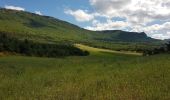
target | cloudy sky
[{"x": 150, "y": 16}]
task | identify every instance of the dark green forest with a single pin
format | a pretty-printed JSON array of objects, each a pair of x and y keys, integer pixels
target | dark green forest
[
  {"x": 30, "y": 48},
  {"x": 163, "y": 49}
]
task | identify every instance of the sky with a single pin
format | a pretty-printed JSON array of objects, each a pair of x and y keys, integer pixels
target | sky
[{"x": 149, "y": 16}]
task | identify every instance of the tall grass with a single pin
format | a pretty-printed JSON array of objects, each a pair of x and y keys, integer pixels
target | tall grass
[{"x": 101, "y": 76}]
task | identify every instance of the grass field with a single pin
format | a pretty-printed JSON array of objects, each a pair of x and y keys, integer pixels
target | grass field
[
  {"x": 94, "y": 50},
  {"x": 100, "y": 76}
]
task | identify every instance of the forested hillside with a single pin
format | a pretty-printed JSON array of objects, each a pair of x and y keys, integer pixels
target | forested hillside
[{"x": 25, "y": 25}]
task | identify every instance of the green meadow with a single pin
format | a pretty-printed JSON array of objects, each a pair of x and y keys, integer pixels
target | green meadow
[
  {"x": 99, "y": 76},
  {"x": 114, "y": 70}
]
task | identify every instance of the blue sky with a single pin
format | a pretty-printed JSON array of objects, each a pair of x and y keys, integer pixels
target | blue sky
[
  {"x": 149, "y": 16},
  {"x": 53, "y": 8}
]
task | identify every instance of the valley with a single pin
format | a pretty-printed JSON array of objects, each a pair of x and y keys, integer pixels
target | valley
[{"x": 44, "y": 58}]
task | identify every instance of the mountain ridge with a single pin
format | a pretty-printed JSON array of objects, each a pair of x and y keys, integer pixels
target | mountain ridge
[{"x": 26, "y": 25}]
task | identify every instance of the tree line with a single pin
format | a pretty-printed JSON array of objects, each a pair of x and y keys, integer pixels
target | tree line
[
  {"x": 30, "y": 48},
  {"x": 164, "y": 49}
]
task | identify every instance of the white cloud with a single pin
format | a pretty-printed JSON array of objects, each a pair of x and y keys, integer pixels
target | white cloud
[
  {"x": 158, "y": 27},
  {"x": 109, "y": 25},
  {"x": 14, "y": 8},
  {"x": 80, "y": 15},
  {"x": 137, "y": 14},
  {"x": 160, "y": 36},
  {"x": 38, "y": 13},
  {"x": 159, "y": 31},
  {"x": 109, "y": 7},
  {"x": 135, "y": 11},
  {"x": 168, "y": 33}
]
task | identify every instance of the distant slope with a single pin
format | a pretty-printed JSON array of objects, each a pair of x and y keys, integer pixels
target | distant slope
[
  {"x": 48, "y": 29},
  {"x": 123, "y": 36}
]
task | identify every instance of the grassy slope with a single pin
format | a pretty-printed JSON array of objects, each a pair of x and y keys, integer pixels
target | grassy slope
[
  {"x": 100, "y": 76},
  {"x": 93, "y": 49},
  {"x": 37, "y": 27},
  {"x": 47, "y": 29}
]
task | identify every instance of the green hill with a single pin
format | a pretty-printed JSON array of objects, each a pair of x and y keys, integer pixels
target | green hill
[
  {"x": 71, "y": 75},
  {"x": 118, "y": 35},
  {"x": 26, "y": 25}
]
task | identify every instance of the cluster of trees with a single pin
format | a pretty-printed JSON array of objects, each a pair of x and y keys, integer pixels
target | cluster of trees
[
  {"x": 30, "y": 48},
  {"x": 163, "y": 49}
]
